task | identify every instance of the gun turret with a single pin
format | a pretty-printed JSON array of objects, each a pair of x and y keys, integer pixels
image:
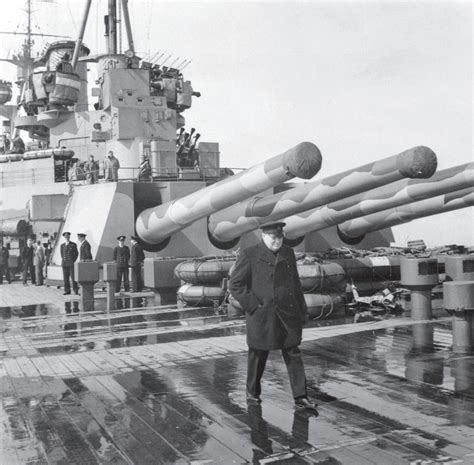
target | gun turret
[
  {"x": 156, "y": 224},
  {"x": 382, "y": 198},
  {"x": 354, "y": 231},
  {"x": 231, "y": 223}
]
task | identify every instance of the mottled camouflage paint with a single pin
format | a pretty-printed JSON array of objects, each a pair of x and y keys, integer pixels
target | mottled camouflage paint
[
  {"x": 156, "y": 224},
  {"x": 231, "y": 223},
  {"x": 394, "y": 216},
  {"x": 382, "y": 198}
]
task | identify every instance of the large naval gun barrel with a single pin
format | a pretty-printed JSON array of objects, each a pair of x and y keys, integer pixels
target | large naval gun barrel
[
  {"x": 353, "y": 231},
  {"x": 231, "y": 223},
  {"x": 382, "y": 198},
  {"x": 156, "y": 224}
]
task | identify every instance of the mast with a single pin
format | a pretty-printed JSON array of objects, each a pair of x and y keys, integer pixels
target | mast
[
  {"x": 29, "y": 43},
  {"x": 128, "y": 26},
  {"x": 77, "y": 48},
  {"x": 24, "y": 60},
  {"x": 112, "y": 17}
]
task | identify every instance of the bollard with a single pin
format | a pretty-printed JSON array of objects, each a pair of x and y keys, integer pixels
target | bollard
[
  {"x": 87, "y": 274},
  {"x": 459, "y": 302},
  {"x": 459, "y": 268},
  {"x": 419, "y": 275},
  {"x": 110, "y": 277}
]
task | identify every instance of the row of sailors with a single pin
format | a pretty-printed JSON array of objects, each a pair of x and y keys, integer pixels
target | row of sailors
[
  {"x": 90, "y": 170},
  {"x": 34, "y": 258},
  {"x": 124, "y": 257}
]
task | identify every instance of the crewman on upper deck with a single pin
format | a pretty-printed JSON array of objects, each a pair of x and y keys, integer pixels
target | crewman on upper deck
[
  {"x": 64, "y": 66},
  {"x": 111, "y": 167},
  {"x": 91, "y": 169}
]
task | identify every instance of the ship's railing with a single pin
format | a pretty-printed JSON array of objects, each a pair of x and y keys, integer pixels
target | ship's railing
[
  {"x": 128, "y": 173},
  {"x": 46, "y": 175}
]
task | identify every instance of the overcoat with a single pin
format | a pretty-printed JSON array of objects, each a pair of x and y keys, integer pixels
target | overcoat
[
  {"x": 38, "y": 259},
  {"x": 91, "y": 169},
  {"x": 85, "y": 251},
  {"x": 122, "y": 256},
  {"x": 69, "y": 253},
  {"x": 27, "y": 255},
  {"x": 267, "y": 286},
  {"x": 4, "y": 254},
  {"x": 111, "y": 167},
  {"x": 136, "y": 255}
]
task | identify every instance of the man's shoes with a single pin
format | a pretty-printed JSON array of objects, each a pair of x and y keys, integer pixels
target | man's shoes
[
  {"x": 67, "y": 293},
  {"x": 253, "y": 399},
  {"x": 304, "y": 402}
]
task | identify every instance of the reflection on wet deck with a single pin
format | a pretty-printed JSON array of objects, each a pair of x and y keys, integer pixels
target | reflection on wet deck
[{"x": 156, "y": 385}]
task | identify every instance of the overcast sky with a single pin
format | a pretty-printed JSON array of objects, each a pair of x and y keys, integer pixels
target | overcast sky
[{"x": 362, "y": 80}]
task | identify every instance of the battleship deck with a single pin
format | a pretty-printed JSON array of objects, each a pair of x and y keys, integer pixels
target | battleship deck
[{"x": 150, "y": 385}]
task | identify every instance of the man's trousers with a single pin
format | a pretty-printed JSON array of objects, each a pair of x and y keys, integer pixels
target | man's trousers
[
  {"x": 29, "y": 269},
  {"x": 122, "y": 273},
  {"x": 68, "y": 274},
  {"x": 294, "y": 365},
  {"x": 137, "y": 280}
]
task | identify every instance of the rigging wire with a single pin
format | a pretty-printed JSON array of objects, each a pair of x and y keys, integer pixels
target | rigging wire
[
  {"x": 148, "y": 34},
  {"x": 97, "y": 25},
  {"x": 12, "y": 41},
  {"x": 72, "y": 17}
]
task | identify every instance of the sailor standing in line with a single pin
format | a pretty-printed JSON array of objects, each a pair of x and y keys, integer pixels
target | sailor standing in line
[
  {"x": 4, "y": 268},
  {"x": 122, "y": 257},
  {"x": 47, "y": 254},
  {"x": 85, "y": 253},
  {"x": 69, "y": 254},
  {"x": 38, "y": 262},
  {"x": 137, "y": 258},
  {"x": 27, "y": 255}
]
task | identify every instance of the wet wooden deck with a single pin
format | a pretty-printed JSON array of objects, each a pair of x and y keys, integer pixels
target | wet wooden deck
[{"x": 151, "y": 385}]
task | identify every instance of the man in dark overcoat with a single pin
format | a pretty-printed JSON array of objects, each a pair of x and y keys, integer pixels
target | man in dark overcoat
[
  {"x": 122, "y": 257},
  {"x": 85, "y": 253},
  {"x": 27, "y": 255},
  {"x": 4, "y": 267},
  {"x": 265, "y": 282},
  {"x": 69, "y": 254},
  {"x": 137, "y": 257}
]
